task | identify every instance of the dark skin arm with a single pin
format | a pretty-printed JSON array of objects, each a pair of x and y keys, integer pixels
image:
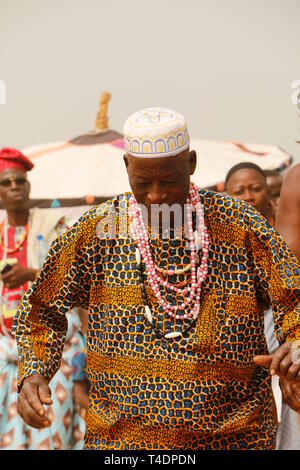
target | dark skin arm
[
  {"x": 35, "y": 393},
  {"x": 80, "y": 393},
  {"x": 288, "y": 225},
  {"x": 18, "y": 275},
  {"x": 288, "y": 212},
  {"x": 83, "y": 315}
]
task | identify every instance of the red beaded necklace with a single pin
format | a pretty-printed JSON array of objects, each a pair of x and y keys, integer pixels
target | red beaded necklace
[{"x": 17, "y": 245}]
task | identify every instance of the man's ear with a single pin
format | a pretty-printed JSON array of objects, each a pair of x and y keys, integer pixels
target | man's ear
[
  {"x": 28, "y": 188},
  {"x": 126, "y": 161},
  {"x": 193, "y": 161}
]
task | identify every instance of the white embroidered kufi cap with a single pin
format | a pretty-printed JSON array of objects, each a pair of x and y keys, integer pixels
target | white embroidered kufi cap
[{"x": 156, "y": 132}]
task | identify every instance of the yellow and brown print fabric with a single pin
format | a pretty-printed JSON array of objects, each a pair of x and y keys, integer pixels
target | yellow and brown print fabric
[{"x": 197, "y": 391}]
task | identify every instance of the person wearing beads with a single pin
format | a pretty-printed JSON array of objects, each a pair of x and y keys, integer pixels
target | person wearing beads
[
  {"x": 176, "y": 354},
  {"x": 21, "y": 232}
]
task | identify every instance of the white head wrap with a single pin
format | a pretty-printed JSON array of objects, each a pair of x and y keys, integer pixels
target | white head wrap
[{"x": 156, "y": 132}]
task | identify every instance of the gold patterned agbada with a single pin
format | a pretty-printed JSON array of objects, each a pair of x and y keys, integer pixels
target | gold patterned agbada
[{"x": 200, "y": 391}]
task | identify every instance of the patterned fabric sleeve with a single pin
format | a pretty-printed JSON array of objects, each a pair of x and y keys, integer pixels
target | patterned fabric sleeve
[
  {"x": 277, "y": 272},
  {"x": 275, "y": 268},
  {"x": 40, "y": 324}
]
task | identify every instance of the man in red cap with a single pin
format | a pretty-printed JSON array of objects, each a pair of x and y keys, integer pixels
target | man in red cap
[
  {"x": 14, "y": 194},
  {"x": 25, "y": 236}
]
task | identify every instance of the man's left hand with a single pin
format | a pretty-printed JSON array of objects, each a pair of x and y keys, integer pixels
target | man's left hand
[
  {"x": 280, "y": 363},
  {"x": 17, "y": 276}
]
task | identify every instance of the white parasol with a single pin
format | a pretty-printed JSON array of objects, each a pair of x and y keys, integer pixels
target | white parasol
[{"x": 91, "y": 166}]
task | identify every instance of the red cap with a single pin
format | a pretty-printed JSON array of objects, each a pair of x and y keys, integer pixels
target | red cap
[{"x": 12, "y": 158}]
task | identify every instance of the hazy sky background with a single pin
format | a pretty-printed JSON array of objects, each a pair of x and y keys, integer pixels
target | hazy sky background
[{"x": 227, "y": 65}]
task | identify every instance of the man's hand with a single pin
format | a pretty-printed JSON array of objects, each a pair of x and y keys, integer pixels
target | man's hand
[
  {"x": 35, "y": 393},
  {"x": 280, "y": 363},
  {"x": 291, "y": 393},
  {"x": 18, "y": 275}
]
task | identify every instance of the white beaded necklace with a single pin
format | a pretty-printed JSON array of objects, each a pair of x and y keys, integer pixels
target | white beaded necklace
[{"x": 191, "y": 305}]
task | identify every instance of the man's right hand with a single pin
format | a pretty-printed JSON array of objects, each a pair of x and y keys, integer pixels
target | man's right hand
[
  {"x": 291, "y": 394},
  {"x": 35, "y": 393}
]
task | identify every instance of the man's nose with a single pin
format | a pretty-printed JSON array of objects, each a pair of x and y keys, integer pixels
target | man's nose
[
  {"x": 14, "y": 185},
  {"x": 156, "y": 195},
  {"x": 248, "y": 197}
]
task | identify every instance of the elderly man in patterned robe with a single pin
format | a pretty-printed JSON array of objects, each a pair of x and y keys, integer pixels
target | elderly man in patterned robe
[{"x": 176, "y": 353}]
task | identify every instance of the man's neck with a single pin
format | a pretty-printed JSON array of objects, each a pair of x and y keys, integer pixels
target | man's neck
[{"x": 18, "y": 218}]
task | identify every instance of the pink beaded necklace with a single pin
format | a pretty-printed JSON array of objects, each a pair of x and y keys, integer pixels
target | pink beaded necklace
[{"x": 154, "y": 273}]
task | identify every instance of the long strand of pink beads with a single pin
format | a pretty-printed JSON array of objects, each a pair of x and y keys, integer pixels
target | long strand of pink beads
[{"x": 140, "y": 234}]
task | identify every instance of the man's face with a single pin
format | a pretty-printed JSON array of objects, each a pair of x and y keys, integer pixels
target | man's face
[
  {"x": 274, "y": 183},
  {"x": 157, "y": 181},
  {"x": 14, "y": 189},
  {"x": 250, "y": 186}
]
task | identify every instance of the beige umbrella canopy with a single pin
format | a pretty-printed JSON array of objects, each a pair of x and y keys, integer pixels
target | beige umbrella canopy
[
  {"x": 214, "y": 160},
  {"x": 90, "y": 168},
  {"x": 83, "y": 170}
]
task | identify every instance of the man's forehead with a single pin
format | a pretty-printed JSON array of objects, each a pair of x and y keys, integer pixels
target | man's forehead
[
  {"x": 8, "y": 172},
  {"x": 149, "y": 174},
  {"x": 247, "y": 174},
  {"x": 274, "y": 179},
  {"x": 165, "y": 166}
]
